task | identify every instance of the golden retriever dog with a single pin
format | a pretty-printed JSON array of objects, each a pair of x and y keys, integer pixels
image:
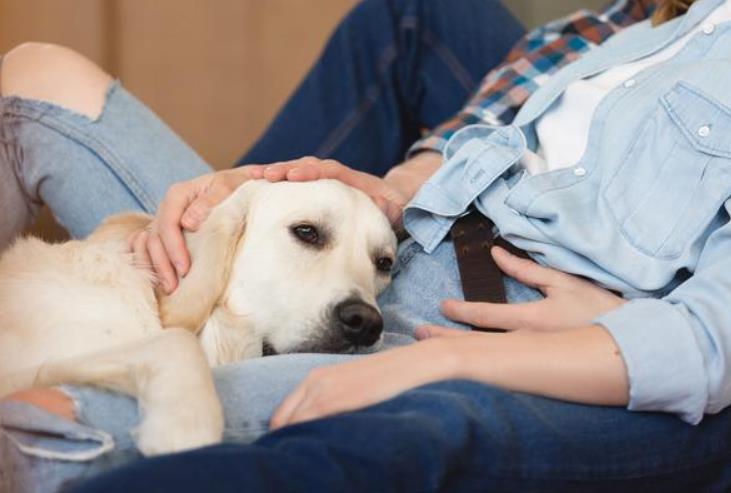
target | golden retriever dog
[{"x": 276, "y": 268}]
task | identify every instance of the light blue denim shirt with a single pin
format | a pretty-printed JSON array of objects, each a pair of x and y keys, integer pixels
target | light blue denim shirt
[{"x": 645, "y": 212}]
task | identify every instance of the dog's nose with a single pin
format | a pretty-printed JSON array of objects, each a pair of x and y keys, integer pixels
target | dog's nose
[{"x": 360, "y": 322}]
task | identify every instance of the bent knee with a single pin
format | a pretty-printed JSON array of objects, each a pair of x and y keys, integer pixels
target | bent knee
[{"x": 54, "y": 74}]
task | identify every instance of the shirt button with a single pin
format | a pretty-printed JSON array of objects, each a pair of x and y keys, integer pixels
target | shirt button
[
  {"x": 708, "y": 28},
  {"x": 580, "y": 171},
  {"x": 704, "y": 131},
  {"x": 514, "y": 211},
  {"x": 630, "y": 83}
]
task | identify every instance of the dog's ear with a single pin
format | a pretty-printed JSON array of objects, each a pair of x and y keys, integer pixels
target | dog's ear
[{"x": 212, "y": 250}]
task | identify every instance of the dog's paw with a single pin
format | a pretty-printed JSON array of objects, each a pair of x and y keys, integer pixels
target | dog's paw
[{"x": 184, "y": 428}]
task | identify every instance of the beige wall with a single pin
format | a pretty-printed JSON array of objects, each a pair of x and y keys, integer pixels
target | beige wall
[
  {"x": 536, "y": 12},
  {"x": 215, "y": 70}
]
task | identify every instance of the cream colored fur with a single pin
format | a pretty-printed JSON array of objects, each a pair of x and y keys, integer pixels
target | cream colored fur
[{"x": 82, "y": 313}]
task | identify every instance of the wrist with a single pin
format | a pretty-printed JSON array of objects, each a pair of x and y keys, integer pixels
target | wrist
[
  {"x": 443, "y": 357},
  {"x": 410, "y": 175}
]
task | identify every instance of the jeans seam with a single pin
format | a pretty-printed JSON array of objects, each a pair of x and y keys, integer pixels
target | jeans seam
[
  {"x": 446, "y": 55},
  {"x": 373, "y": 93},
  {"x": 450, "y": 60}
]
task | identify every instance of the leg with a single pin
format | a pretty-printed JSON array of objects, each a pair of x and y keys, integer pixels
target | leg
[
  {"x": 391, "y": 69},
  {"x": 101, "y": 437},
  {"x": 459, "y": 437},
  {"x": 160, "y": 384},
  {"x": 77, "y": 141}
]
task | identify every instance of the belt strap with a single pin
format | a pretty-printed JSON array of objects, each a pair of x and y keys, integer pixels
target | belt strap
[{"x": 482, "y": 279}]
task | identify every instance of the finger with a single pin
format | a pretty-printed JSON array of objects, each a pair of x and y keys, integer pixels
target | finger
[
  {"x": 381, "y": 203},
  {"x": 168, "y": 220},
  {"x": 161, "y": 264},
  {"x": 255, "y": 171},
  {"x": 307, "y": 412},
  {"x": 490, "y": 315},
  {"x": 430, "y": 331},
  {"x": 283, "y": 413},
  {"x": 304, "y": 173},
  {"x": 139, "y": 250},
  {"x": 199, "y": 210},
  {"x": 525, "y": 271},
  {"x": 394, "y": 213},
  {"x": 277, "y": 172}
]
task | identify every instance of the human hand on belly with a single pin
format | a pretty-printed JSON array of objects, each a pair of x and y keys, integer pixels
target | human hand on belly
[{"x": 570, "y": 302}]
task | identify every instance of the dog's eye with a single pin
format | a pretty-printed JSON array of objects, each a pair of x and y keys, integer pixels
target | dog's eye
[
  {"x": 307, "y": 233},
  {"x": 384, "y": 264}
]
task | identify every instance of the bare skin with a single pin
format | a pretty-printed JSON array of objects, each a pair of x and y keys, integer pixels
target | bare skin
[{"x": 50, "y": 400}]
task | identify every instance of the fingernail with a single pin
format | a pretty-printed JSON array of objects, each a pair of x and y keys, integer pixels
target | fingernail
[
  {"x": 190, "y": 219},
  {"x": 179, "y": 268},
  {"x": 421, "y": 332},
  {"x": 169, "y": 286},
  {"x": 500, "y": 251}
]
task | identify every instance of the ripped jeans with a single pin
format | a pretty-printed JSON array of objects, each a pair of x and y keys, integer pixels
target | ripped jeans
[
  {"x": 83, "y": 168},
  {"x": 467, "y": 436},
  {"x": 84, "y": 171}
]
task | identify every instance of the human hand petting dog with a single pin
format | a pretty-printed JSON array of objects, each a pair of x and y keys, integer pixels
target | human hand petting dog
[
  {"x": 570, "y": 305},
  {"x": 570, "y": 302},
  {"x": 187, "y": 204}
]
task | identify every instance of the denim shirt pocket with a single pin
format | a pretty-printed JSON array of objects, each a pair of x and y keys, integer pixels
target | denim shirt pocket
[{"x": 675, "y": 175}]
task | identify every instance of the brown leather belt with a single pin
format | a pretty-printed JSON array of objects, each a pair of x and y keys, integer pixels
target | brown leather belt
[{"x": 482, "y": 280}]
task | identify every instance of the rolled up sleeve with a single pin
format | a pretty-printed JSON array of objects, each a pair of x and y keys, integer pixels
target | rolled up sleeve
[
  {"x": 664, "y": 364},
  {"x": 677, "y": 350}
]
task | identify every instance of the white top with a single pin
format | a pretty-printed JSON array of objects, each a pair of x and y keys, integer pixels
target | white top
[{"x": 563, "y": 130}]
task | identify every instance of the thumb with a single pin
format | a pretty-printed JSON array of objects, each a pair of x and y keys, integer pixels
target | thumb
[
  {"x": 431, "y": 331},
  {"x": 201, "y": 207}
]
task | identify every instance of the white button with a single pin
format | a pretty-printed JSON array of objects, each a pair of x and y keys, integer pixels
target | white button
[
  {"x": 630, "y": 83},
  {"x": 580, "y": 171},
  {"x": 708, "y": 28},
  {"x": 704, "y": 131},
  {"x": 514, "y": 211}
]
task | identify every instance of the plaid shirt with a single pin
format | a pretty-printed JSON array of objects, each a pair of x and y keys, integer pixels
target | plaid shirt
[{"x": 539, "y": 54}]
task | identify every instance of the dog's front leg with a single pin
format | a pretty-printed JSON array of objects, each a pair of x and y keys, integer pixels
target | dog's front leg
[{"x": 169, "y": 376}]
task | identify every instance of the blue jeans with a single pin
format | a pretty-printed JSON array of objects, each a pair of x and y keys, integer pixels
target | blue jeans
[
  {"x": 125, "y": 159},
  {"x": 456, "y": 437},
  {"x": 391, "y": 69},
  {"x": 451, "y": 436}
]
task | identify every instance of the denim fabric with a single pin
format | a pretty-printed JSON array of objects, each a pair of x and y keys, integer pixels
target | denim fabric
[
  {"x": 456, "y": 437},
  {"x": 85, "y": 169},
  {"x": 645, "y": 212},
  {"x": 46, "y": 452},
  {"x": 391, "y": 69}
]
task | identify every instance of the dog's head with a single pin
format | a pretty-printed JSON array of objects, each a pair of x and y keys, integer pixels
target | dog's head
[{"x": 286, "y": 267}]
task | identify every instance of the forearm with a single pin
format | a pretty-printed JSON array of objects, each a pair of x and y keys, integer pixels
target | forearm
[
  {"x": 582, "y": 365},
  {"x": 410, "y": 175}
]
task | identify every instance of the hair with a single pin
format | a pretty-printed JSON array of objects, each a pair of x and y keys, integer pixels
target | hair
[{"x": 670, "y": 9}]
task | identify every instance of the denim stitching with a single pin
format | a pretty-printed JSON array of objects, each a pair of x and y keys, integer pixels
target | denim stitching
[
  {"x": 373, "y": 92},
  {"x": 450, "y": 60}
]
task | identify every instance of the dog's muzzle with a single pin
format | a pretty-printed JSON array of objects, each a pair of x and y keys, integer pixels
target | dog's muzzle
[{"x": 360, "y": 323}]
